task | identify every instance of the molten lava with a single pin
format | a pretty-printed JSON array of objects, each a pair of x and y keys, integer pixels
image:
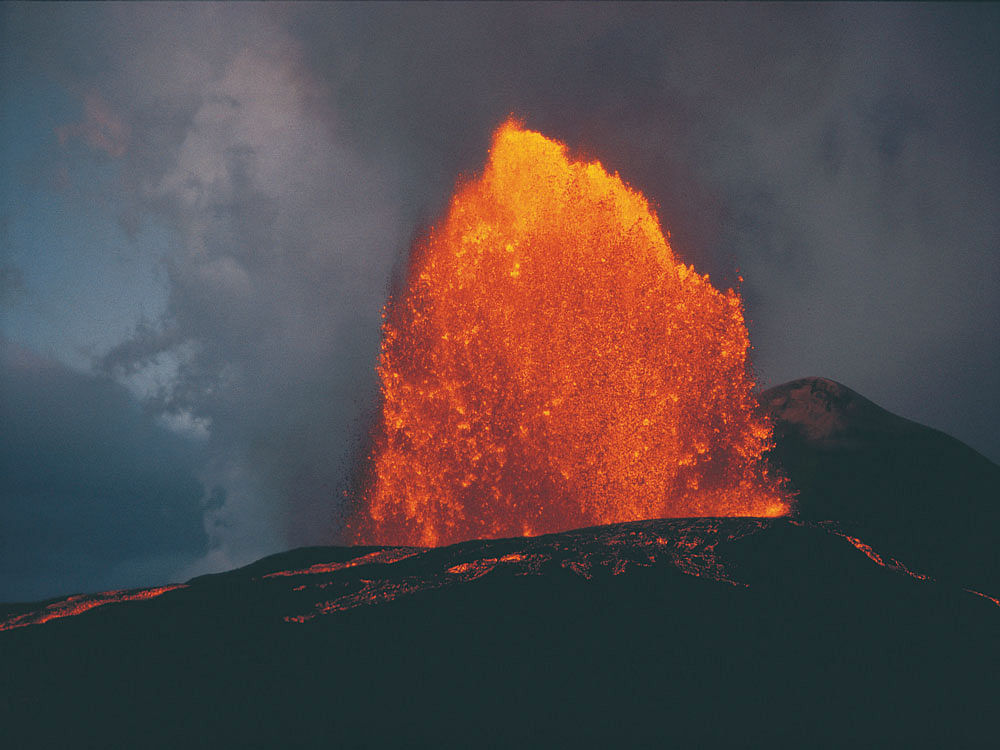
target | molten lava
[{"x": 552, "y": 365}]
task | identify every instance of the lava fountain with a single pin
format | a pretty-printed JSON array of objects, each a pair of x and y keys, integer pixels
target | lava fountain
[{"x": 551, "y": 365}]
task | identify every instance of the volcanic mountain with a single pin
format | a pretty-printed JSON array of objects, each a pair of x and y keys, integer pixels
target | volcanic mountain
[
  {"x": 868, "y": 618},
  {"x": 909, "y": 490}
]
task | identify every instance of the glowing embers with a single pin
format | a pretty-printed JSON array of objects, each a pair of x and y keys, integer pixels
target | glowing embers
[{"x": 551, "y": 365}]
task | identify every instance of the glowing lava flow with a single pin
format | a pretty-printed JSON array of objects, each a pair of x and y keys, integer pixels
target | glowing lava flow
[
  {"x": 385, "y": 557},
  {"x": 552, "y": 365},
  {"x": 80, "y": 603}
]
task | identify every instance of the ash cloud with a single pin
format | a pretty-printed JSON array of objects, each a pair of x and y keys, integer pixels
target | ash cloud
[{"x": 843, "y": 158}]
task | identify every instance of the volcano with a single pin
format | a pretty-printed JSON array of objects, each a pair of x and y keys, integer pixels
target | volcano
[
  {"x": 910, "y": 490},
  {"x": 577, "y": 527},
  {"x": 850, "y": 622}
]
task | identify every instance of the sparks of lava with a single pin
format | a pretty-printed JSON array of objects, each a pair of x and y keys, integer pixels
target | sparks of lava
[{"x": 553, "y": 365}]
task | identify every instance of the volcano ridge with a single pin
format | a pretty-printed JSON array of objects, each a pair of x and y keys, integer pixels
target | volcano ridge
[{"x": 707, "y": 631}]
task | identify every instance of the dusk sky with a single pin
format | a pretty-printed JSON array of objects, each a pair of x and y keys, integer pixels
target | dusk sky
[{"x": 205, "y": 207}]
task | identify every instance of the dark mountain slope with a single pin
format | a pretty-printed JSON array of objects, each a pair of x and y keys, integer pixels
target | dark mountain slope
[
  {"x": 911, "y": 491},
  {"x": 689, "y": 631}
]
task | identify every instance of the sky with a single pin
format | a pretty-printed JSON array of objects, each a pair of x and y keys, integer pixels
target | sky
[{"x": 205, "y": 207}]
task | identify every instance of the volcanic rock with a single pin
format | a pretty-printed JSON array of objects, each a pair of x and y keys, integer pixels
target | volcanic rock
[
  {"x": 911, "y": 491},
  {"x": 714, "y": 632}
]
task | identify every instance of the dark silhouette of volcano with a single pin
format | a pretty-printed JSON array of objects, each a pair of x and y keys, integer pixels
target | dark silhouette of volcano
[
  {"x": 911, "y": 491},
  {"x": 681, "y": 632}
]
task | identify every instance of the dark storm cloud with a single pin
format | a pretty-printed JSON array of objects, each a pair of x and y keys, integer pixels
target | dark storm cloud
[
  {"x": 843, "y": 158},
  {"x": 95, "y": 493}
]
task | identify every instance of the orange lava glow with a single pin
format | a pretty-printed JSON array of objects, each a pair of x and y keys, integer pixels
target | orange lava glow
[
  {"x": 384, "y": 557},
  {"x": 80, "y": 603},
  {"x": 985, "y": 596},
  {"x": 552, "y": 365},
  {"x": 885, "y": 562}
]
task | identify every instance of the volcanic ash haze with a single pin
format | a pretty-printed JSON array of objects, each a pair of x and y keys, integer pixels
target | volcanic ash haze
[{"x": 552, "y": 365}]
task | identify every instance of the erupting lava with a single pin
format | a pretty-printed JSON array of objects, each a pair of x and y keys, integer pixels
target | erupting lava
[{"x": 552, "y": 365}]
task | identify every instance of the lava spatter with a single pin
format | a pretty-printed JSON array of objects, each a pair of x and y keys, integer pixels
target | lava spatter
[{"x": 551, "y": 365}]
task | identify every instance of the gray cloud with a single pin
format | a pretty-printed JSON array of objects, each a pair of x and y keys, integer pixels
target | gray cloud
[
  {"x": 11, "y": 283},
  {"x": 95, "y": 493},
  {"x": 843, "y": 158},
  {"x": 285, "y": 240}
]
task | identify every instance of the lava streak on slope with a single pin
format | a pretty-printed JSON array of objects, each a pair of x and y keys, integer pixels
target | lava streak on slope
[
  {"x": 552, "y": 365},
  {"x": 80, "y": 603}
]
